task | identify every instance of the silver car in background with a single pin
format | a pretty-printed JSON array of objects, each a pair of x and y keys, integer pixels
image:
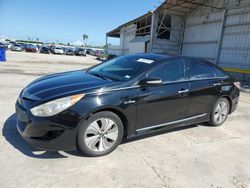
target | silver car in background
[{"x": 17, "y": 47}]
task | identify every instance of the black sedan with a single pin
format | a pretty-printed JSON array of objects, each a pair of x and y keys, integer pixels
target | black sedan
[
  {"x": 80, "y": 52},
  {"x": 45, "y": 50},
  {"x": 95, "y": 109},
  {"x": 69, "y": 51}
]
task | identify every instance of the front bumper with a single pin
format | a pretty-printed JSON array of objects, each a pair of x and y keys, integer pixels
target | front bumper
[
  {"x": 16, "y": 49},
  {"x": 45, "y": 134}
]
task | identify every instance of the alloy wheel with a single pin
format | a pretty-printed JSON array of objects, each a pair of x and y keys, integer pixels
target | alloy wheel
[
  {"x": 221, "y": 112},
  {"x": 101, "y": 134}
]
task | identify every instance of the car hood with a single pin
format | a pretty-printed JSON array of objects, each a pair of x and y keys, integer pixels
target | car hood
[{"x": 63, "y": 84}]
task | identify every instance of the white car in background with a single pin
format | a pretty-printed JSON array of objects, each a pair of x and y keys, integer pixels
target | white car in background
[{"x": 58, "y": 50}]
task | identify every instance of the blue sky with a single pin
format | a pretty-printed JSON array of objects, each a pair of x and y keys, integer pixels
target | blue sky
[{"x": 66, "y": 20}]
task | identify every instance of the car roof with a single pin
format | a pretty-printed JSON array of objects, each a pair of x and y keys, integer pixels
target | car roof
[
  {"x": 151, "y": 56},
  {"x": 159, "y": 58}
]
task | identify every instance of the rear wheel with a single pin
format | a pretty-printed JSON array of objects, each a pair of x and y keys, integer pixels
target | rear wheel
[
  {"x": 100, "y": 134},
  {"x": 220, "y": 112}
]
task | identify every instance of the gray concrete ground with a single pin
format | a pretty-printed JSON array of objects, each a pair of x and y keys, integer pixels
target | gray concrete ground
[{"x": 196, "y": 156}]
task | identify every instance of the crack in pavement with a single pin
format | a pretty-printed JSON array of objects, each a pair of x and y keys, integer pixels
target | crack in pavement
[
  {"x": 151, "y": 166},
  {"x": 218, "y": 141}
]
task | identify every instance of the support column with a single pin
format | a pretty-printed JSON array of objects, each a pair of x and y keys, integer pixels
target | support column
[
  {"x": 217, "y": 60},
  {"x": 153, "y": 28},
  {"x": 182, "y": 35},
  {"x": 122, "y": 41},
  {"x": 106, "y": 46}
]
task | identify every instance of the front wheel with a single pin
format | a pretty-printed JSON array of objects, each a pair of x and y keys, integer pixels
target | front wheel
[
  {"x": 100, "y": 134},
  {"x": 220, "y": 112}
]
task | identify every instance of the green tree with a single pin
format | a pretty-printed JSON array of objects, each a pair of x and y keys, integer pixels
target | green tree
[{"x": 85, "y": 38}]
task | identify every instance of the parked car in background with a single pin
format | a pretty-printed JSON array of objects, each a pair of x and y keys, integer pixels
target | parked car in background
[
  {"x": 88, "y": 50},
  {"x": 17, "y": 47},
  {"x": 95, "y": 52},
  {"x": 44, "y": 50},
  {"x": 38, "y": 46},
  {"x": 8, "y": 45},
  {"x": 31, "y": 48},
  {"x": 23, "y": 45},
  {"x": 92, "y": 52},
  {"x": 100, "y": 55},
  {"x": 51, "y": 49},
  {"x": 80, "y": 52},
  {"x": 58, "y": 50},
  {"x": 69, "y": 51},
  {"x": 3, "y": 45}
]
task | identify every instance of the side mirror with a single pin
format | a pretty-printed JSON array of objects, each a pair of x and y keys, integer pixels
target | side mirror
[{"x": 150, "y": 82}]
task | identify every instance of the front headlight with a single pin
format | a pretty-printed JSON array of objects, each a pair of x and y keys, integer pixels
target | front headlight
[{"x": 56, "y": 106}]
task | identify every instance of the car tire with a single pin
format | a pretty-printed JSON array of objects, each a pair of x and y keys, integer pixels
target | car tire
[
  {"x": 220, "y": 112},
  {"x": 100, "y": 134}
]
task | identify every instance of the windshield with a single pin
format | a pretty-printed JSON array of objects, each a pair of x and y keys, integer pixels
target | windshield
[{"x": 122, "y": 68}]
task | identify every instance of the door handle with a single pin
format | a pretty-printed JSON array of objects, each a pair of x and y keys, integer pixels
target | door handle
[
  {"x": 183, "y": 91},
  {"x": 217, "y": 84}
]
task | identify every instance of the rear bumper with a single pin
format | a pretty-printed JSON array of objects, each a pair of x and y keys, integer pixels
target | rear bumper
[
  {"x": 234, "y": 104},
  {"x": 235, "y": 95},
  {"x": 30, "y": 50},
  {"x": 17, "y": 50},
  {"x": 45, "y": 52},
  {"x": 58, "y": 52}
]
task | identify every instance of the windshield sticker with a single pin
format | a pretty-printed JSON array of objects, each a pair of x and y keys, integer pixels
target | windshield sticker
[{"x": 148, "y": 61}]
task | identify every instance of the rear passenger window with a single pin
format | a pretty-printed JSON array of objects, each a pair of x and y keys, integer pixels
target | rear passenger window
[
  {"x": 170, "y": 71},
  {"x": 200, "y": 70},
  {"x": 219, "y": 73}
]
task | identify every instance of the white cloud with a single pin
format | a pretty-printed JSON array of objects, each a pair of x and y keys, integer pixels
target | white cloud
[
  {"x": 4, "y": 37},
  {"x": 77, "y": 43}
]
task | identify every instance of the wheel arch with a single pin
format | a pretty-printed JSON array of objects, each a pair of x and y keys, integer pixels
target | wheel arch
[
  {"x": 229, "y": 100},
  {"x": 116, "y": 111}
]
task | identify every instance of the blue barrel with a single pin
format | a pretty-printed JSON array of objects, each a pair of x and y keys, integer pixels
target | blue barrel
[{"x": 2, "y": 54}]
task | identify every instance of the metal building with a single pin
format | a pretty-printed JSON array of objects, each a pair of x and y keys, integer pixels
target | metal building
[{"x": 217, "y": 30}]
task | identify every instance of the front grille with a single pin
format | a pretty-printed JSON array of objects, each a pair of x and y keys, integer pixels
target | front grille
[
  {"x": 21, "y": 114},
  {"x": 21, "y": 126},
  {"x": 50, "y": 135}
]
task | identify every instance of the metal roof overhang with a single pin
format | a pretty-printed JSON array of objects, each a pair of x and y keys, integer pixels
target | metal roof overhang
[
  {"x": 183, "y": 7},
  {"x": 116, "y": 32},
  {"x": 173, "y": 7}
]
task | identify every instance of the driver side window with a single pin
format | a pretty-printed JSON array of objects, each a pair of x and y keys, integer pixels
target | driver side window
[{"x": 170, "y": 71}]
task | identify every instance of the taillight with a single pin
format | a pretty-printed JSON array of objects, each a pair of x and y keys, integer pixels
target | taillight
[{"x": 237, "y": 84}]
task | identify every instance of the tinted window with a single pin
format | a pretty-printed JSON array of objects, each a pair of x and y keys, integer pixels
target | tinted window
[
  {"x": 200, "y": 70},
  {"x": 219, "y": 73},
  {"x": 171, "y": 71}
]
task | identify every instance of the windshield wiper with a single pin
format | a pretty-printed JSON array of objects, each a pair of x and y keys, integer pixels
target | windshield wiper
[{"x": 97, "y": 74}]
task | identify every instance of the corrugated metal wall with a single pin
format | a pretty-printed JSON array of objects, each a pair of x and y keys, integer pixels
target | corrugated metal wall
[
  {"x": 235, "y": 49},
  {"x": 165, "y": 46},
  {"x": 222, "y": 37},
  {"x": 201, "y": 35}
]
